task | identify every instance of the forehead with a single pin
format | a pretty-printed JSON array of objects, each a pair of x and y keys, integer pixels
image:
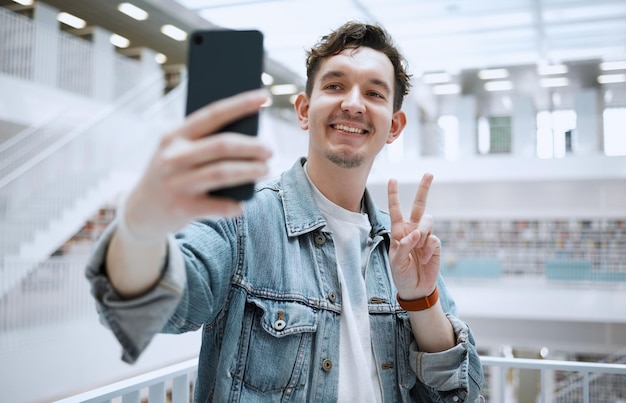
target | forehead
[{"x": 365, "y": 61}]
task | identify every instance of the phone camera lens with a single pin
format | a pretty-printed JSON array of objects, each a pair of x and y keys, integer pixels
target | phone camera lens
[{"x": 197, "y": 39}]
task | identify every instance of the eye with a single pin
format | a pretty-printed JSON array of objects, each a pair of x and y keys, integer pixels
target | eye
[
  {"x": 376, "y": 94},
  {"x": 333, "y": 87}
]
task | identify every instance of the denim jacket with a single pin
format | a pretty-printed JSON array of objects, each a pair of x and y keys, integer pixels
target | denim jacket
[{"x": 264, "y": 287}]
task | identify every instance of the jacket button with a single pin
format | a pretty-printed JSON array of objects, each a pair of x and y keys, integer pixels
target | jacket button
[
  {"x": 320, "y": 239},
  {"x": 332, "y": 297},
  {"x": 327, "y": 365},
  {"x": 279, "y": 324}
]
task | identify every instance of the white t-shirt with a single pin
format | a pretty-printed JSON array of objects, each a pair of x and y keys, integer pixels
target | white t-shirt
[{"x": 358, "y": 377}]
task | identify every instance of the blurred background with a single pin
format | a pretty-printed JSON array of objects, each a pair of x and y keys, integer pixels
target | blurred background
[{"x": 517, "y": 107}]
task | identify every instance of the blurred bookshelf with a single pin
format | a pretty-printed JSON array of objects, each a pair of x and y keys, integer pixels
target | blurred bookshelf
[{"x": 524, "y": 247}]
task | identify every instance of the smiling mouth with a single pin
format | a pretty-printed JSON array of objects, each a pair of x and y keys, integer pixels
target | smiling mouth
[{"x": 348, "y": 129}]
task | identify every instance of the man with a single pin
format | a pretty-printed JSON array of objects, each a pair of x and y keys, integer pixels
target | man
[{"x": 300, "y": 291}]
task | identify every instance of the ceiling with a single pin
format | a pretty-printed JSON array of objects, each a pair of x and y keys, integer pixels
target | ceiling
[
  {"x": 455, "y": 36},
  {"x": 435, "y": 35}
]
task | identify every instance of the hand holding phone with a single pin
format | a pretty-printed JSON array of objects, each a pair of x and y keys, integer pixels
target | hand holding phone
[{"x": 222, "y": 63}]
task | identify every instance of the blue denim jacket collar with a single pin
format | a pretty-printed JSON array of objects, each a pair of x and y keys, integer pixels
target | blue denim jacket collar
[{"x": 302, "y": 214}]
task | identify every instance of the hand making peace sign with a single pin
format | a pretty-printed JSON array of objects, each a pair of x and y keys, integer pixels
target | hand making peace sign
[{"x": 414, "y": 254}]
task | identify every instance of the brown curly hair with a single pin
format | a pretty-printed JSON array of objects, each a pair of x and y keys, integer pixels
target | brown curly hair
[{"x": 354, "y": 35}]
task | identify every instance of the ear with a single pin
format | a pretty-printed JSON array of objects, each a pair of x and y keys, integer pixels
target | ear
[
  {"x": 302, "y": 110},
  {"x": 398, "y": 123}
]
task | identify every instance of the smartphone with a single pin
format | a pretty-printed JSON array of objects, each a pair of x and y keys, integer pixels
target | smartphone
[{"x": 222, "y": 63}]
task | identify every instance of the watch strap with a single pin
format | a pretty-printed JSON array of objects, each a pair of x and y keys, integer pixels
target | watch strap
[{"x": 420, "y": 304}]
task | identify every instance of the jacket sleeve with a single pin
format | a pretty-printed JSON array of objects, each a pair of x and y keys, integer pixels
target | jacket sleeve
[
  {"x": 134, "y": 322},
  {"x": 454, "y": 375},
  {"x": 196, "y": 273}
]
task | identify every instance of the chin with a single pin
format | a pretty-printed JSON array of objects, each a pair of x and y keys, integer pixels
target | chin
[{"x": 345, "y": 160}]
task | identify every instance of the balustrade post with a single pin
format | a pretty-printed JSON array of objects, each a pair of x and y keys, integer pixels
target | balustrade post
[{"x": 46, "y": 45}]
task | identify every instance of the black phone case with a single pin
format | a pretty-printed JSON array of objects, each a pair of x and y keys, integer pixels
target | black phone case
[{"x": 222, "y": 63}]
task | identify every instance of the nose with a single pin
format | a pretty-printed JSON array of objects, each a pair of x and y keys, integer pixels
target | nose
[{"x": 353, "y": 101}]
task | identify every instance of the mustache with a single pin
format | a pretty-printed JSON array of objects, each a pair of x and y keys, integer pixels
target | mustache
[{"x": 348, "y": 118}]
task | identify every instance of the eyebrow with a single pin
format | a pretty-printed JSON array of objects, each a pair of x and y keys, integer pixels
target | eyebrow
[{"x": 339, "y": 74}]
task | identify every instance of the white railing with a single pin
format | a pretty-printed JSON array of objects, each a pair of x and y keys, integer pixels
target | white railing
[
  {"x": 16, "y": 52},
  {"x": 56, "y": 292},
  {"x": 577, "y": 390},
  {"x": 75, "y": 65},
  {"x": 57, "y": 59},
  {"x": 178, "y": 379},
  {"x": 175, "y": 380},
  {"x": 46, "y": 175}
]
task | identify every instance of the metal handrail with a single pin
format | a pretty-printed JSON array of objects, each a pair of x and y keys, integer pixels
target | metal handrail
[
  {"x": 584, "y": 368},
  {"x": 180, "y": 375},
  {"x": 130, "y": 389},
  {"x": 84, "y": 128}
]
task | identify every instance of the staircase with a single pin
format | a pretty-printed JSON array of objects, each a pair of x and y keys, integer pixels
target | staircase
[{"x": 55, "y": 176}]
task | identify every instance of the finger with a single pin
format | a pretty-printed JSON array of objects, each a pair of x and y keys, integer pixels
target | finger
[
  {"x": 217, "y": 176},
  {"x": 216, "y": 115},
  {"x": 425, "y": 229},
  {"x": 419, "y": 203},
  {"x": 432, "y": 247},
  {"x": 183, "y": 153},
  {"x": 395, "y": 212},
  {"x": 403, "y": 248}
]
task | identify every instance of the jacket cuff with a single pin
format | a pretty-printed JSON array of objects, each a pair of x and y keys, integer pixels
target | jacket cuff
[
  {"x": 445, "y": 371},
  {"x": 134, "y": 322}
]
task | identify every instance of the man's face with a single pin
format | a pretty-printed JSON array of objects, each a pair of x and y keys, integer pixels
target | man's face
[{"x": 350, "y": 112}]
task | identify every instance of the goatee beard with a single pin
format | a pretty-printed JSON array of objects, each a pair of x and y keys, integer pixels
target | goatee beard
[{"x": 345, "y": 161}]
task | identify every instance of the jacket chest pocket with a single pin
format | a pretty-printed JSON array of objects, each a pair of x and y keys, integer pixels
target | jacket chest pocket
[{"x": 275, "y": 347}]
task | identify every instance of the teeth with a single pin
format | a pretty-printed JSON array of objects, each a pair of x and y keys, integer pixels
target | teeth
[{"x": 349, "y": 129}]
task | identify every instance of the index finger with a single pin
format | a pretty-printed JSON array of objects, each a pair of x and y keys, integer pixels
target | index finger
[
  {"x": 419, "y": 204},
  {"x": 395, "y": 212},
  {"x": 216, "y": 115}
]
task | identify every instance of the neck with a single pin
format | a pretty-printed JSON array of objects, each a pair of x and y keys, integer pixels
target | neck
[{"x": 342, "y": 186}]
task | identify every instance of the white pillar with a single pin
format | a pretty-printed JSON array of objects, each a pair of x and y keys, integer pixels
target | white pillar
[
  {"x": 149, "y": 64},
  {"x": 104, "y": 66},
  {"x": 46, "y": 46},
  {"x": 524, "y": 127},
  {"x": 587, "y": 139},
  {"x": 466, "y": 113},
  {"x": 149, "y": 68}
]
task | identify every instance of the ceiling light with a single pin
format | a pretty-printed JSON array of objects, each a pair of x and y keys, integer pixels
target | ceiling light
[
  {"x": 554, "y": 82},
  {"x": 71, "y": 20},
  {"x": 160, "y": 58},
  {"x": 133, "y": 11},
  {"x": 174, "y": 32},
  {"x": 617, "y": 65},
  {"x": 119, "y": 41},
  {"x": 446, "y": 89},
  {"x": 284, "y": 89},
  {"x": 612, "y": 78},
  {"x": 436, "y": 78},
  {"x": 552, "y": 69},
  {"x": 267, "y": 79},
  {"x": 24, "y": 2},
  {"x": 504, "y": 85},
  {"x": 493, "y": 74}
]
